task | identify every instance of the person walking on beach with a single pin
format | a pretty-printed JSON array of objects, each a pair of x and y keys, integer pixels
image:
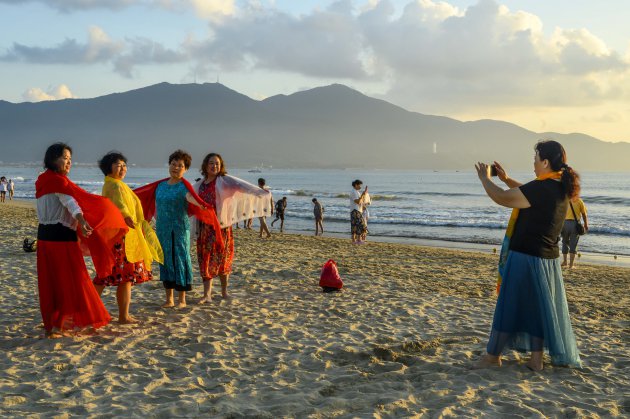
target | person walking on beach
[
  {"x": 281, "y": 206},
  {"x": 172, "y": 201},
  {"x": 3, "y": 188},
  {"x": 11, "y": 188},
  {"x": 531, "y": 312},
  {"x": 367, "y": 201},
  {"x": 234, "y": 200},
  {"x": 67, "y": 298},
  {"x": 358, "y": 226},
  {"x": 263, "y": 219},
  {"x": 138, "y": 248},
  {"x": 318, "y": 212},
  {"x": 570, "y": 236}
]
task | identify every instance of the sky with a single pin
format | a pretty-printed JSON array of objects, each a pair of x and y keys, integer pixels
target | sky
[{"x": 546, "y": 65}]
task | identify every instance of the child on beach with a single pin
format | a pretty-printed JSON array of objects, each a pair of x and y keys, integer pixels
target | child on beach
[{"x": 281, "y": 206}]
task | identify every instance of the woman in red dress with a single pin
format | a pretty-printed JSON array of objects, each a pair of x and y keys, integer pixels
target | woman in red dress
[{"x": 68, "y": 300}]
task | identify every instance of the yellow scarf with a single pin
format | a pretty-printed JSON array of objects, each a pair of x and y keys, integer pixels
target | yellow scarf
[
  {"x": 141, "y": 242},
  {"x": 505, "y": 246}
]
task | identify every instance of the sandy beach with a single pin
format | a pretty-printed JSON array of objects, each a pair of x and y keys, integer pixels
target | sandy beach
[{"x": 397, "y": 342}]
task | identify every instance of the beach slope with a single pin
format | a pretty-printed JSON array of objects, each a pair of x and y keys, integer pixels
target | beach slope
[{"x": 398, "y": 341}]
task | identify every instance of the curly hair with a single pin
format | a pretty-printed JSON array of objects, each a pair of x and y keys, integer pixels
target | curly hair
[
  {"x": 181, "y": 155},
  {"x": 105, "y": 164},
  {"x": 204, "y": 166},
  {"x": 554, "y": 152}
]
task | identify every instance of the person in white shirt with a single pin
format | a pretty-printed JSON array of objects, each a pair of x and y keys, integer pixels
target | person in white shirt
[
  {"x": 3, "y": 188},
  {"x": 11, "y": 187},
  {"x": 358, "y": 226},
  {"x": 263, "y": 219},
  {"x": 67, "y": 298}
]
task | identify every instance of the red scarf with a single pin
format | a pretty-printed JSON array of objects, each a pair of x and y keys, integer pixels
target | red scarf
[
  {"x": 206, "y": 215},
  {"x": 101, "y": 214}
]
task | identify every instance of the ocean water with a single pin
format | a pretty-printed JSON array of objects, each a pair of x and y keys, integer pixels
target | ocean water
[{"x": 406, "y": 205}]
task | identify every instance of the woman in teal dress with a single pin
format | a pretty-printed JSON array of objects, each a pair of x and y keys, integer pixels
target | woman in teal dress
[
  {"x": 171, "y": 201},
  {"x": 173, "y": 229}
]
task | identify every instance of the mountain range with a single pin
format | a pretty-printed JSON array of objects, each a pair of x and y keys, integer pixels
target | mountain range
[{"x": 324, "y": 127}]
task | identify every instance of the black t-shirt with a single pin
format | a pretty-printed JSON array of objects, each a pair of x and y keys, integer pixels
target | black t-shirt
[{"x": 538, "y": 227}]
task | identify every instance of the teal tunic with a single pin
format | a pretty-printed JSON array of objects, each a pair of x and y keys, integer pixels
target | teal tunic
[{"x": 173, "y": 231}]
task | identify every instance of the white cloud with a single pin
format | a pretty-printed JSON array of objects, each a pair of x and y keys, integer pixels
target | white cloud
[
  {"x": 432, "y": 55},
  {"x": 324, "y": 43},
  {"x": 98, "y": 48},
  {"x": 35, "y": 94},
  {"x": 488, "y": 56},
  {"x": 212, "y": 8}
]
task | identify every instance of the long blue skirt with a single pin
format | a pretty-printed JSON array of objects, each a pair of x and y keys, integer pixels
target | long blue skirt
[{"x": 532, "y": 312}]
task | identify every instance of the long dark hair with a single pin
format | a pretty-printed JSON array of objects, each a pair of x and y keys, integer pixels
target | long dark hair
[
  {"x": 554, "y": 152},
  {"x": 204, "y": 165},
  {"x": 53, "y": 152}
]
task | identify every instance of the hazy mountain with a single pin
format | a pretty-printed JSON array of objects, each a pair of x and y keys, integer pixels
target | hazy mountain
[{"x": 332, "y": 126}]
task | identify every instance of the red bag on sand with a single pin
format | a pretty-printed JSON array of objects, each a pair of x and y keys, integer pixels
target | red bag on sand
[{"x": 330, "y": 280}]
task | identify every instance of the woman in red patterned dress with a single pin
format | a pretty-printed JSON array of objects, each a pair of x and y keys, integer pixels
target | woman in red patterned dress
[
  {"x": 233, "y": 200},
  {"x": 213, "y": 260}
]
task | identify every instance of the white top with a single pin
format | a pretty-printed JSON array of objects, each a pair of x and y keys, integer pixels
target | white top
[
  {"x": 236, "y": 200},
  {"x": 354, "y": 194},
  {"x": 56, "y": 208},
  {"x": 10, "y": 184},
  {"x": 3, "y": 185}
]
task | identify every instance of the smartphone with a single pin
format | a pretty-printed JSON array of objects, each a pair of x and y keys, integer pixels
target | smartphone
[{"x": 493, "y": 170}]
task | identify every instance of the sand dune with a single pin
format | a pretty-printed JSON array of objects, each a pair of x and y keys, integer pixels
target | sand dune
[{"x": 397, "y": 342}]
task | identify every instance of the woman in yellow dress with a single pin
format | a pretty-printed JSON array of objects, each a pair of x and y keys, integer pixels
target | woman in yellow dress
[{"x": 140, "y": 246}]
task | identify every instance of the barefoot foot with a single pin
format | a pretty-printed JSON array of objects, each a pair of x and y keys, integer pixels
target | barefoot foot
[
  {"x": 128, "y": 320},
  {"x": 487, "y": 361},
  {"x": 168, "y": 304},
  {"x": 205, "y": 299},
  {"x": 181, "y": 305},
  {"x": 534, "y": 367}
]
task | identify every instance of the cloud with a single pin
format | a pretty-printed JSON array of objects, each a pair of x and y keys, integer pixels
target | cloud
[
  {"x": 430, "y": 55},
  {"x": 142, "y": 51},
  {"x": 210, "y": 9},
  {"x": 488, "y": 56},
  {"x": 78, "y": 5},
  {"x": 35, "y": 94},
  {"x": 98, "y": 48},
  {"x": 324, "y": 43}
]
